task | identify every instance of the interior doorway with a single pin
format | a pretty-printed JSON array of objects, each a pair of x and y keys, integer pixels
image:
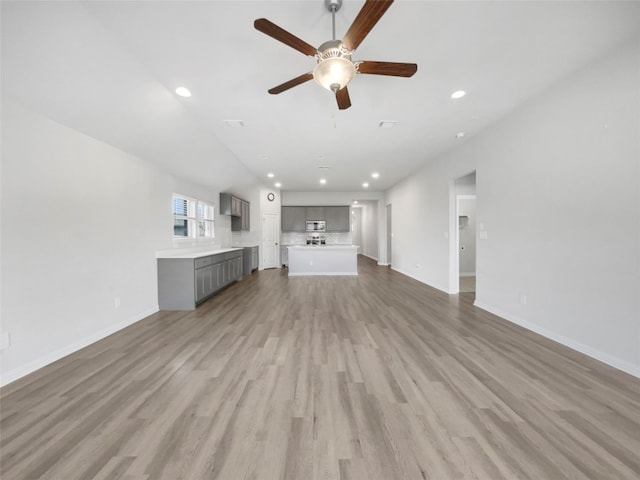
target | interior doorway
[
  {"x": 270, "y": 240},
  {"x": 462, "y": 234},
  {"x": 466, "y": 208},
  {"x": 389, "y": 235}
]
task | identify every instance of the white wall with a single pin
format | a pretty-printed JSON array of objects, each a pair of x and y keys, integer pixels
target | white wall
[
  {"x": 327, "y": 198},
  {"x": 567, "y": 164},
  {"x": 81, "y": 222},
  {"x": 370, "y": 229}
]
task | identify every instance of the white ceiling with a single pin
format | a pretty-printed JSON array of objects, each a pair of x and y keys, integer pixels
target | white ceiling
[{"x": 109, "y": 69}]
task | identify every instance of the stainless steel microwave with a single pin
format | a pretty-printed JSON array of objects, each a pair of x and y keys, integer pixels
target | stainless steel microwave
[{"x": 316, "y": 226}]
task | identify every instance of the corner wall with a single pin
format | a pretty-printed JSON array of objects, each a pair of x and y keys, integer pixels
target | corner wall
[
  {"x": 558, "y": 198},
  {"x": 81, "y": 222}
]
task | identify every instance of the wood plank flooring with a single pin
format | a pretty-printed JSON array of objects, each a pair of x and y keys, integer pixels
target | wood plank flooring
[{"x": 376, "y": 377}]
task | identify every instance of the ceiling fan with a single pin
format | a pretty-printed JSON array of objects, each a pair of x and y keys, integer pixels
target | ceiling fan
[{"x": 334, "y": 68}]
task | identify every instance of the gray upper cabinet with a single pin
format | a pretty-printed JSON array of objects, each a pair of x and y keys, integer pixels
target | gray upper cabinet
[
  {"x": 315, "y": 213},
  {"x": 294, "y": 219},
  {"x": 230, "y": 205},
  {"x": 246, "y": 215},
  {"x": 243, "y": 222},
  {"x": 338, "y": 219}
]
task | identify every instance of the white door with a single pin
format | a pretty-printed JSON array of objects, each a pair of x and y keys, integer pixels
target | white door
[{"x": 270, "y": 240}]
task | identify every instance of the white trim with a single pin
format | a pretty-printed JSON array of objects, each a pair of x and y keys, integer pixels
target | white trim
[
  {"x": 316, "y": 274},
  {"x": 419, "y": 280},
  {"x": 369, "y": 256},
  {"x": 610, "y": 360},
  {"x": 45, "y": 360},
  {"x": 383, "y": 264}
]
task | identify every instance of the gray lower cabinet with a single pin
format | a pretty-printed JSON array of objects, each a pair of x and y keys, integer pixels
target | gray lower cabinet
[
  {"x": 183, "y": 283},
  {"x": 250, "y": 260}
]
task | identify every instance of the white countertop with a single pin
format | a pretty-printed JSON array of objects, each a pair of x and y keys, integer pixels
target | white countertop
[{"x": 199, "y": 254}]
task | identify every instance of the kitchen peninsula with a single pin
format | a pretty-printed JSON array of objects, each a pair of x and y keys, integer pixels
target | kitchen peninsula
[{"x": 323, "y": 260}]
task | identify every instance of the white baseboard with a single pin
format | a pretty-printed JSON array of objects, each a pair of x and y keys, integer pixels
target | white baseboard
[
  {"x": 16, "y": 373},
  {"x": 369, "y": 256},
  {"x": 445, "y": 290},
  {"x": 610, "y": 360},
  {"x": 383, "y": 264},
  {"x": 320, "y": 274}
]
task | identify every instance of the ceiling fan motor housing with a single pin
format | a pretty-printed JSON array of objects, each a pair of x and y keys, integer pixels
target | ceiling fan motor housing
[{"x": 335, "y": 69}]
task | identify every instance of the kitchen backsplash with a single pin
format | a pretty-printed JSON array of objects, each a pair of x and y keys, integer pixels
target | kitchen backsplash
[
  {"x": 245, "y": 239},
  {"x": 296, "y": 238}
]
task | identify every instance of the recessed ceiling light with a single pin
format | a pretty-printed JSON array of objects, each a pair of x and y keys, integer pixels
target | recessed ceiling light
[
  {"x": 459, "y": 134},
  {"x": 270, "y": 175},
  {"x": 458, "y": 94},
  {"x": 365, "y": 185},
  {"x": 323, "y": 181},
  {"x": 355, "y": 202},
  {"x": 375, "y": 175},
  {"x": 388, "y": 123},
  {"x": 278, "y": 184},
  {"x": 183, "y": 92}
]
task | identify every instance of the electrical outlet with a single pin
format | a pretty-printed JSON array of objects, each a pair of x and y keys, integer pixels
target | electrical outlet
[
  {"x": 523, "y": 299},
  {"x": 417, "y": 265},
  {"x": 117, "y": 302}
]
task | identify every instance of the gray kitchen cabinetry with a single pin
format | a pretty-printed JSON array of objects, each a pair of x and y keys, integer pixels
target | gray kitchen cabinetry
[
  {"x": 294, "y": 219},
  {"x": 284, "y": 255},
  {"x": 230, "y": 205},
  {"x": 183, "y": 283},
  {"x": 315, "y": 213},
  {"x": 338, "y": 219},
  {"x": 241, "y": 221},
  {"x": 250, "y": 261}
]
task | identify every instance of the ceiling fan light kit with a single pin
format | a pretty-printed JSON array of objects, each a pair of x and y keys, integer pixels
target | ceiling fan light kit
[{"x": 335, "y": 68}]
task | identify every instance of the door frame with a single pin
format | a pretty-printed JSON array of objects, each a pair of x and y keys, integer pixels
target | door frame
[
  {"x": 458, "y": 198},
  {"x": 262, "y": 241},
  {"x": 453, "y": 235}
]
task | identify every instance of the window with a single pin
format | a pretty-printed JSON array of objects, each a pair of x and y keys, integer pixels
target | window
[
  {"x": 205, "y": 220},
  {"x": 192, "y": 218}
]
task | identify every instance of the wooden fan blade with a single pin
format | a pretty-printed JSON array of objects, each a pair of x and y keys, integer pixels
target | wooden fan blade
[
  {"x": 369, "y": 15},
  {"x": 394, "y": 69},
  {"x": 342, "y": 96},
  {"x": 305, "y": 77},
  {"x": 274, "y": 31}
]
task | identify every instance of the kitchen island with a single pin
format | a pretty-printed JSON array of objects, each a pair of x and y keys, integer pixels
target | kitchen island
[{"x": 323, "y": 260}]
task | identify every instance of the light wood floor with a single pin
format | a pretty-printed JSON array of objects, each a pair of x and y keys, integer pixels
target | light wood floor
[
  {"x": 376, "y": 377},
  {"x": 467, "y": 284}
]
